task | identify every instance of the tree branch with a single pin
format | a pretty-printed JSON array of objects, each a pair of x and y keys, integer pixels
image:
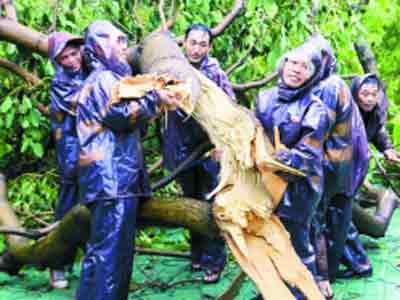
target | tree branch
[
  {"x": 241, "y": 87},
  {"x": 16, "y": 33},
  {"x": 161, "y": 5},
  {"x": 174, "y": 15},
  {"x": 366, "y": 56},
  {"x": 200, "y": 150},
  {"x": 9, "y": 10},
  {"x": 156, "y": 165},
  {"x": 241, "y": 61},
  {"x": 225, "y": 22},
  {"x": 13, "y": 67}
]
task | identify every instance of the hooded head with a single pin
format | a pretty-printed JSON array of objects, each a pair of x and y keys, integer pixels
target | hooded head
[
  {"x": 298, "y": 70},
  {"x": 64, "y": 51},
  {"x": 106, "y": 48},
  {"x": 368, "y": 92},
  {"x": 322, "y": 45}
]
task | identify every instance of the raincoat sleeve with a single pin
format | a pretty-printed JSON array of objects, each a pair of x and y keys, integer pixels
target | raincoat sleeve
[
  {"x": 307, "y": 154},
  {"x": 63, "y": 96},
  {"x": 127, "y": 115},
  {"x": 381, "y": 139}
]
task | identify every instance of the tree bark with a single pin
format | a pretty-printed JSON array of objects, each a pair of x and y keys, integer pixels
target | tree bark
[
  {"x": 58, "y": 248},
  {"x": 366, "y": 56}
]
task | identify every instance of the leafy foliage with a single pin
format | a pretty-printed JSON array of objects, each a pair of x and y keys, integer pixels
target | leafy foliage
[{"x": 271, "y": 26}]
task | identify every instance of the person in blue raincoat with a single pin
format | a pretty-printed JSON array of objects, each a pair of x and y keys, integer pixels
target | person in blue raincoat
[
  {"x": 372, "y": 102},
  {"x": 65, "y": 54},
  {"x": 302, "y": 121},
  {"x": 182, "y": 136},
  {"x": 333, "y": 216},
  {"x": 346, "y": 153},
  {"x": 112, "y": 175}
]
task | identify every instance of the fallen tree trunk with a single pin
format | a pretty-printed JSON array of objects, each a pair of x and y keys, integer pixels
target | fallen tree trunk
[{"x": 58, "y": 248}]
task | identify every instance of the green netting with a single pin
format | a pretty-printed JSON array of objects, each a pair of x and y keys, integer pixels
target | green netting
[{"x": 163, "y": 278}]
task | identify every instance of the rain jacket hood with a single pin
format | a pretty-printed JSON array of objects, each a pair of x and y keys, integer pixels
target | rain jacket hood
[
  {"x": 311, "y": 56},
  {"x": 375, "y": 120},
  {"x": 99, "y": 53}
]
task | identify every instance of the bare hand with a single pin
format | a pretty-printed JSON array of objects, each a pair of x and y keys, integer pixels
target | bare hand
[
  {"x": 391, "y": 155},
  {"x": 170, "y": 99}
]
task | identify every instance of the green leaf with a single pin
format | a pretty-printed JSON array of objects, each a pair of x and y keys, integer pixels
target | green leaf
[
  {"x": 37, "y": 149},
  {"x": 6, "y": 105}
]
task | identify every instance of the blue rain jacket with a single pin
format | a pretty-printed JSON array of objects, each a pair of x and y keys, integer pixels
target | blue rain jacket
[
  {"x": 64, "y": 90},
  {"x": 63, "y": 96},
  {"x": 302, "y": 123},
  {"x": 111, "y": 157},
  {"x": 337, "y": 98}
]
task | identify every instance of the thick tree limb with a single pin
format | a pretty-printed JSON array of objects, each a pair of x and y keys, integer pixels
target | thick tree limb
[
  {"x": 9, "y": 9},
  {"x": 59, "y": 246},
  {"x": 21, "y": 35},
  {"x": 366, "y": 56},
  {"x": 13, "y": 67},
  {"x": 241, "y": 87},
  {"x": 225, "y": 22}
]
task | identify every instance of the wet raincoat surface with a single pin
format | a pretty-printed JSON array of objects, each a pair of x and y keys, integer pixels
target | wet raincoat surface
[
  {"x": 181, "y": 137},
  {"x": 63, "y": 96},
  {"x": 303, "y": 122},
  {"x": 111, "y": 169},
  {"x": 346, "y": 152}
]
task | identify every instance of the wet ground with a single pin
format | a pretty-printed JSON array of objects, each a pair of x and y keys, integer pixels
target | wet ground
[{"x": 162, "y": 278}]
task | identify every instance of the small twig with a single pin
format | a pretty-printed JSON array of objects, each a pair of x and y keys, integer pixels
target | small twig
[
  {"x": 155, "y": 166},
  {"x": 32, "y": 234},
  {"x": 9, "y": 10},
  {"x": 232, "y": 290},
  {"x": 148, "y": 251},
  {"x": 241, "y": 61},
  {"x": 385, "y": 176},
  {"x": 53, "y": 26},
  {"x": 254, "y": 84},
  {"x": 138, "y": 20},
  {"x": 199, "y": 151},
  {"x": 225, "y": 22}
]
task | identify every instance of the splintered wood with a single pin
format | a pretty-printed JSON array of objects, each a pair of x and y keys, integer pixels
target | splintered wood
[{"x": 248, "y": 190}]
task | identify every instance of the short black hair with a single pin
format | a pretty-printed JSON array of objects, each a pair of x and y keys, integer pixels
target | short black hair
[{"x": 200, "y": 27}]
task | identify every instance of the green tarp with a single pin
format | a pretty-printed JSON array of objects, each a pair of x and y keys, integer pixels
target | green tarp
[{"x": 162, "y": 278}]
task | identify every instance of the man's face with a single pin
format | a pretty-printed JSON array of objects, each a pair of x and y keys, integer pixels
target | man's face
[
  {"x": 119, "y": 45},
  {"x": 197, "y": 45},
  {"x": 70, "y": 58},
  {"x": 296, "y": 72},
  {"x": 368, "y": 96}
]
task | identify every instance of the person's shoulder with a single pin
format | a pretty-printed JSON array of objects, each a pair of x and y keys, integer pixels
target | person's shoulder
[
  {"x": 266, "y": 96},
  {"x": 212, "y": 63}
]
